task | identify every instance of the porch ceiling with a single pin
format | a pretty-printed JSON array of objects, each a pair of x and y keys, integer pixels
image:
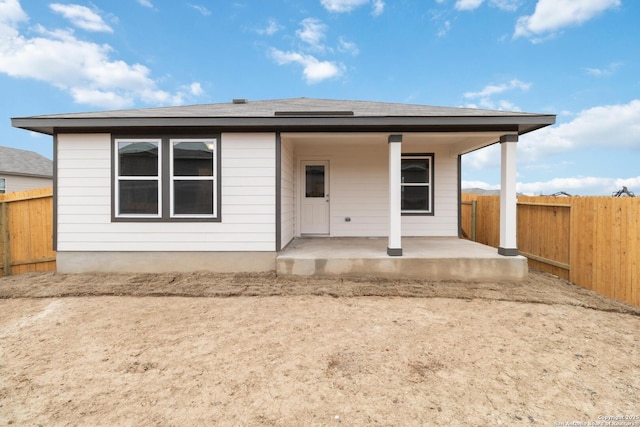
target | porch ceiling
[{"x": 457, "y": 142}]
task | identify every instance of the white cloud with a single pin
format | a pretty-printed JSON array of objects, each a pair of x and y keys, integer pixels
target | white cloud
[
  {"x": 551, "y": 16},
  {"x": 81, "y": 68},
  {"x": 486, "y": 158},
  {"x": 576, "y": 186},
  {"x": 584, "y": 185},
  {"x": 508, "y": 5},
  {"x": 203, "y": 10},
  {"x": 146, "y": 3},
  {"x": 312, "y": 32},
  {"x": 479, "y": 184},
  {"x": 99, "y": 98},
  {"x": 607, "y": 126},
  {"x": 444, "y": 29},
  {"x": 347, "y": 47},
  {"x": 468, "y": 4},
  {"x": 607, "y": 71},
  {"x": 11, "y": 14},
  {"x": 490, "y": 90},
  {"x": 314, "y": 70},
  {"x": 441, "y": 19},
  {"x": 271, "y": 28},
  {"x": 378, "y": 8},
  {"x": 484, "y": 96},
  {"x": 195, "y": 89},
  {"x": 342, "y": 6},
  {"x": 81, "y": 17}
]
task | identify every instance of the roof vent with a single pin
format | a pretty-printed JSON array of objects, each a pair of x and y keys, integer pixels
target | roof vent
[
  {"x": 240, "y": 101},
  {"x": 313, "y": 113}
]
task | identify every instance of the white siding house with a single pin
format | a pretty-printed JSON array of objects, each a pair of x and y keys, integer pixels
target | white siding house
[
  {"x": 22, "y": 170},
  {"x": 225, "y": 187}
]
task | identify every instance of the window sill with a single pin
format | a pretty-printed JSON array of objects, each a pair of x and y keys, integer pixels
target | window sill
[
  {"x": 166, "y": 220},
  {"x": 416, "y": 213}
]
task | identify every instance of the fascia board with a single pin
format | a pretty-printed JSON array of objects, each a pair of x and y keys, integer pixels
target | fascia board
[{"x": 522, "y": 124}]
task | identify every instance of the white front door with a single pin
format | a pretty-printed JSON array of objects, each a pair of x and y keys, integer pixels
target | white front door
[{"x": 315, "y": 197}]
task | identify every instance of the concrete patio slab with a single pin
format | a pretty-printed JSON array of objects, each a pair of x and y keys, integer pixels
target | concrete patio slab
[{"x": 431, "y": 258}]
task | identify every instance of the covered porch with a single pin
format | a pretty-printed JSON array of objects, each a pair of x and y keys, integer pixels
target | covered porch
[
  {"x": 431, "y": 258},
  {"x": 379, "y": 184}
]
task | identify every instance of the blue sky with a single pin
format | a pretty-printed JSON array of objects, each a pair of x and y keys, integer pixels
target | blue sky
[{"x": 579, "y": 59}]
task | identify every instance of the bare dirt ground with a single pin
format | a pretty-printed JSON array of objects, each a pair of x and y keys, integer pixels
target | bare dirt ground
[{"x": 202, "y": 349}]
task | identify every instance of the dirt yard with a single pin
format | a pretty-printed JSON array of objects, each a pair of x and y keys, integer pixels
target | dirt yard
[{"x": 199, "y": 349}]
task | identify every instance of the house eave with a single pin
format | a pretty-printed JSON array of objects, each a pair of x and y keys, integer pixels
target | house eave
[
  {"x": 520, "y": 123},
  {"x": 26, "y": 175}
]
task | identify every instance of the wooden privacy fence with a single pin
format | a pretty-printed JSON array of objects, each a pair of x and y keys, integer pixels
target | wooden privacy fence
[
  {"x": 594, "y": 242},
  {"x": 26, "y": 228}
]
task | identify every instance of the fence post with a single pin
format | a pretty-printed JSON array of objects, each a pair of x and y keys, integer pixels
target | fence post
[
  {"x": 474, "y": 216},
  {"x": 5, "y": 238}
]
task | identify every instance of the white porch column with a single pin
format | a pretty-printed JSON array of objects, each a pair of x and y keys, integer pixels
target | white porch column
[
  {"x": 508, "y": 199},
  {"x": 394, "y": 247}
]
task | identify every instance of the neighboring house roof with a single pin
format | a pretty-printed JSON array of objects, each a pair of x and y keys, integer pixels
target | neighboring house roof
[
  {"x": 26, "y": 163},
  {"x": 296, "y": 114}
]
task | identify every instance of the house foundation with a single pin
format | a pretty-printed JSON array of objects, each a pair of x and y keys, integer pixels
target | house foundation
[{"x": 164, "y": 262}]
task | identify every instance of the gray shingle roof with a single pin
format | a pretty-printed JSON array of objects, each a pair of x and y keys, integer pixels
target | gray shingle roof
[
  {"x": 22, "y": 162},
  {"x": 270, "y": 108},
  {"x": 302, "y": 114}
]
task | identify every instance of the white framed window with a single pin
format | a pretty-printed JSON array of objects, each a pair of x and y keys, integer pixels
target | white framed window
[
  {"x": 138, "y": 186},
  {"x": 417, "y": 184},
  {"x": 3, "y": 185},
  {"x": 192, "y": 170},
  {"x": 166, "y": 178}
]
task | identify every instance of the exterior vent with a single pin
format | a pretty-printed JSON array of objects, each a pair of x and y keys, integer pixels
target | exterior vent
[
  {"x": 313, "y": 113},
  {"x": 240, "y": 101}
]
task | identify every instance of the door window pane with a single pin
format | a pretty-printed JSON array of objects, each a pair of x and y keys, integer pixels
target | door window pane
[
  {"x": 314, "y": 181},
  {"x": 138, "y": 197},
  {"x": 192, "y": 158},
  {"x": 193, "y": 197}
]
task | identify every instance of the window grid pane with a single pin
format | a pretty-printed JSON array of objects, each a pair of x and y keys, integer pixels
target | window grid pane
[
  {"x": 415, "y": 171},
  {"x": 138, "y": 158},
  {"x": 193, "y": 197},
  {"x": 415, "y": 198},
  {"x": 192, "y": 158},
  {"x": 138, "y": 197}
]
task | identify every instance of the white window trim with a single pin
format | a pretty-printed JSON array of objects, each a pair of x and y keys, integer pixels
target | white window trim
[
  {"x": 118, "y": 178},
  {"x": 429, "y": 184},
  {"x": 3, "y": 187},
  {"x": 212, "y": 178}
]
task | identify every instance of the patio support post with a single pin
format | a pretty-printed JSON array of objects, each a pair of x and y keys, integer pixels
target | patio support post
[
  {"x": 395, "y": 216},
  {"x": 508, "y": 199}
]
